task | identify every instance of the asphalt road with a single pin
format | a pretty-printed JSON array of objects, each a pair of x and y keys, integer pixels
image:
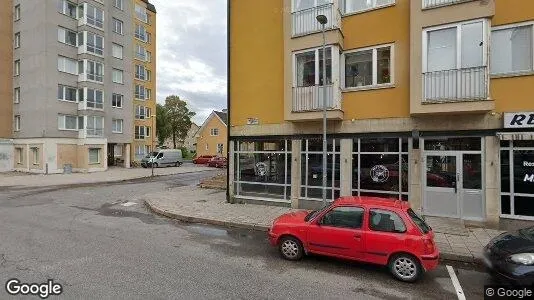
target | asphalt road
[{"x": 100, "y": 242}]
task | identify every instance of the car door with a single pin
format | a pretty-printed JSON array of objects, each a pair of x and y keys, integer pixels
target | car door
[
  {"x": 385, "y": 234},
  {"x": 338, "y": 233}
]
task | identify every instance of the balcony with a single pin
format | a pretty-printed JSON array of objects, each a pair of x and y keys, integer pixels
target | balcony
[
  {"x": 456, "y": 85},
  {"x": 304, "y": 21},
  {"x": 310, "y": 98},
  {"x": 438, "y": 3}
]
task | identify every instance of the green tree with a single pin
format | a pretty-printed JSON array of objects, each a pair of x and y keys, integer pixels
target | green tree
[
  {"x": 162, "y": 124},
  {"x": 178, "y": 118}
]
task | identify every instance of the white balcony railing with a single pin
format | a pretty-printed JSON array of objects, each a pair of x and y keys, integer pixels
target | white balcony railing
[
  {"x": 305, "y": 22},
  {"x": 310, "y": 98},
  {"x": 467, "y": 84},
  {"x": 436, "y": 3}
]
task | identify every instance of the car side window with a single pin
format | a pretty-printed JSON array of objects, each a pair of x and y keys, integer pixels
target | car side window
[
  {"x": 160, "y": 155},
  {"x": 344, "y": 217},
  {"x": 386, "y": 221}
]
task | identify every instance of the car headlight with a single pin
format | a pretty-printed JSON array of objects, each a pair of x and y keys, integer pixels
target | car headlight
[{"x": 523, "y": 258}]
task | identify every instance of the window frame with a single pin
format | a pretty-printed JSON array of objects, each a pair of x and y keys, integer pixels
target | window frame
[
  {"x": 369, "y": 220},
  {"x": 137, "y": 93},
  {"x": 16, "y": 40},
  {"x": 114, "y": 125},
  {"x": 17, "y": 123},
  {"x": 214, "y": 132},
  {"x": 511, "y": 26},
  {"x": 115, "y": 99},
  {"x": 64, "y": 122},
  {"x": 93, "y": 125},
  {"x": 64, "y": 9},
  {"x": 16, "y": 95},
  {"x": 334, "y": 65},
  {"x": 374, "y": 71},
  {"x": 97, "y": 156},
  {"x": 65, "y": 32},
  {"x": 67, "y": 59},
  {"x": 116, "y": 22},
  {"x": 35, "y": 156},
  {"x": 95, "y": 104},
  {"x": 363, "y": 211},
  {"x": 93, "y": 21},
  {"x": 63, "y": 93},
  {"x": 120, "y": 6},
  {"x": 16, "y": 68},
  {"x": 345, "y": 13},
  {"x": 117, "y": 46},
  {"x": 95, "y": 76},
  {"x": 137, "y": 34},
  {"x": 92, "y": 47},
  {"x": 115, "y": 72},
  {"x": 16, "y": 13}
]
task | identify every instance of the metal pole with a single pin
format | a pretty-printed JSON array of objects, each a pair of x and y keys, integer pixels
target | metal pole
[
  {"x": 324, "y": 117},
  {"x": 152, "y": 148}
]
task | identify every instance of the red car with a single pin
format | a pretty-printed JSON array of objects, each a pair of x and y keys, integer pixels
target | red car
[
  {"x": 203, "y": 159},
  {"x": 373, "y": 230},
  {"x": 218, "y": 162}
]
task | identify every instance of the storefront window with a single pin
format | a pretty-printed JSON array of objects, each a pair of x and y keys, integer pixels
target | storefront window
[
  {"x": 524, "y": 172},
  {"x": 517, "y": 183},
  {"x": 454, "y": 144},
  {"x": 380, "y": 167},
  {"x": 472, "y": 173},
  {"x": 263, "y": 169},
  {"x": 312, "y": 169}
]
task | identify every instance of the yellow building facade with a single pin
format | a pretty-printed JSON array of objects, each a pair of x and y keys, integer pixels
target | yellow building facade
[
  {"x": 212, "y": 136},
  {"x": 427, "y": 101},
  {"x": 144, "y": 41}
]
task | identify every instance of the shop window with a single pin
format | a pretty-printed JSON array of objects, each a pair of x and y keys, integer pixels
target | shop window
[
  {"x": 312, "y": 169},
  {"x": 517, "y": 179},
  {"x": 472, "y": 173},
  {"x": 524, "y": 172},
  {"x": 524, "y": 206},
  {"x": 454, "y": 144},
  {"x": 505, "y": 205},
  {"x": 505, "y": 171}
]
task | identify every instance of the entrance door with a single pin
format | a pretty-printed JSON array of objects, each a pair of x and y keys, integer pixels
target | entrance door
[{"x": 441, "y": 185}]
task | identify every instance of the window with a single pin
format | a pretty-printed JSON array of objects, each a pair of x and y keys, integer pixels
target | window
[
  {"x": 67, "y": 93},
  {"x": 95, "y": 126},
  {"x": 419, "y": 222},
  {"x": 140, "y": 52},
  {"x": 35, "y": 155},
  {"x": 220, "y": 148},
  {"x": 16, "y": 40},
  {"x": 140, "y": 32},
  {"x": 352, "y": 6},
  {"x": 386, "y": 221},
  {"x": 117, "y": 50},
  {"x": 95, "y": 71},
  {"x": 95, "y": 99},
  {"x": 140, "y": 13},
  {"x": 16, "y": 67},
  {"x": 19, "y": 155},
  {"x": 148, "y": 37},
  {"x": 368, "y": 67},
  {"x": 214, "y": 132},
  {"x": 344, "y": 217},
  {"x": 67, "y": 8},
  {"x": 117, "y": 76},
  {"x": 309, "y": 70},
  {"x": 140, "y": 132},
  {"x": 17, "y": 123},
  {"x": 95, "y": 43},
  {"x": 94, "y": 156},
  {"x": 148, "y": 56},
  {"x": 142, "y": 112},
  {"x": 118, "y": 4},
  {"x": 117, "y": 151},
  {"x": 147, "y": 131},
  {"x": 207, "y": 147},
  {"x": 140, "y": 72},
  {"x": 16, "y": 14},
  {"x": 67, "y": 36},
  {"x": 148, "y": 93},
  {"x": 117, "y": 26},
  {"x": 140, "y": 92},
  {"x": 16, "y": 95},
  {"x": 66, "y": 122},
  {"x": 116, "y": 125},
  {"x": 511, "y": 49},
  {"x": 116, "y": 100},
  {"x": 67, "y": 65},
  {"x": 95, "y": 16},
  {"x": 312, "y": 169},
  {"x": 148, "y": 75}
]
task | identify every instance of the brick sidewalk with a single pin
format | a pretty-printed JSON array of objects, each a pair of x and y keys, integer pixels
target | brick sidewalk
[
  {"x": 198, "y": 205},
  {"x": 111, "y": 175}
]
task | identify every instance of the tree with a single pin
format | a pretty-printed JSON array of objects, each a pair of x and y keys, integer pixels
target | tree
[
  {"x": 162, "y": 124},
  {"x": 178, "y": 118}
]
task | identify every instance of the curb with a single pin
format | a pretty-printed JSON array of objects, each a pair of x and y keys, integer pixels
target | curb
[{"x": 190, "y": 219}]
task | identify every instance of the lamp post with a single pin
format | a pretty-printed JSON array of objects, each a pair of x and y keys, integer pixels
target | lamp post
[
  {"x": 322, "y": 19},
  {"x": 153, "y": 117}
]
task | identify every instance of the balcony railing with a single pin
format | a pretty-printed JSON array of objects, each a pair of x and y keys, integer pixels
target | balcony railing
[
  {"x": 467, "y": 84},
  {"x": 95, "y": 132},
  {"x": 304, "y": 21},
  {"x": 437, "y": 3},
  {"x": 310, "y": 98}
]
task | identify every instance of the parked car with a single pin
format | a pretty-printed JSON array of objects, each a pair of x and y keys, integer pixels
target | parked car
[
  {"x": 203, "y": 159},
  {"x": 367, "y": 229},
  {"x": 163, "y": 158},
  {"x": 218, "y": 162},
  {"x": 509, "y": 257}
]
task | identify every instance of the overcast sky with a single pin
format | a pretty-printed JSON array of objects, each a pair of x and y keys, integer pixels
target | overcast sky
[{"x": 191, "y": 53}]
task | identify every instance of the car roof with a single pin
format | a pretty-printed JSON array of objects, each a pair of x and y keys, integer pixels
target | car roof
[{"x": 372, "y": 201}]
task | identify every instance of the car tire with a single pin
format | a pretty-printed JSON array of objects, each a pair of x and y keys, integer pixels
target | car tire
[
  {"x": 405, "y": 267},
  {"x": 290, "y": 248}
]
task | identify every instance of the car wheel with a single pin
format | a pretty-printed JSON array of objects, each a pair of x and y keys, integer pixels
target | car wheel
[
  {"x": 405, "y": 267},
  {"x": 291, "y": 248}
]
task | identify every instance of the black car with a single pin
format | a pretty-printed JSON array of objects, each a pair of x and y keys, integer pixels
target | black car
[{"x": 509, "y": 257}]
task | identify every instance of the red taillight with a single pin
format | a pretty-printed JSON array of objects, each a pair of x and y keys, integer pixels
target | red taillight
[{"x": 429, "y": 246}]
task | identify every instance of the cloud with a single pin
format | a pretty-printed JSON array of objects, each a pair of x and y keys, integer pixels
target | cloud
[{"x": 192, "y": 53}]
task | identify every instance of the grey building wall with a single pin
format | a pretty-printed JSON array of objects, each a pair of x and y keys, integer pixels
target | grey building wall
[{"x": 39, "y": 107}]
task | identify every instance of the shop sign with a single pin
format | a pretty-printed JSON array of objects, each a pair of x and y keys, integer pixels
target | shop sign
[
  {"x": 528, "y": 177},
  {"x": 379, "y": 174},
  {"x": 519, "y": 120}
]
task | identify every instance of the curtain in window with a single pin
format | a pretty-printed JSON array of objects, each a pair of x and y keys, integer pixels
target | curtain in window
[
  {"x": 441, "y": 47},
  {"x": 511, "y": 50}
]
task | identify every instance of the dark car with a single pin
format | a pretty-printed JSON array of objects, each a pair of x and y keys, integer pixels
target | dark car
[
  {"x": 218, "y": 162},
  {"x": 509, "y": 257}
]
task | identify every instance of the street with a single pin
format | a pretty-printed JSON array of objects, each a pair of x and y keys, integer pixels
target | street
[{"x": 100, "y": 242}]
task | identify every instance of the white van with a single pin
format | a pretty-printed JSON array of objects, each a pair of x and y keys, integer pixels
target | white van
[{"x": 163, "y": 158}]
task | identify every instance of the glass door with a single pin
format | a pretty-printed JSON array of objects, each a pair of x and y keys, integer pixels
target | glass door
[{"x": 441, "y": 196}]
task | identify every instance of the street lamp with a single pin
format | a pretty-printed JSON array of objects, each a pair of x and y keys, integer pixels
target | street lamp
[
  {"x": 322, "y": 19},
  {"x": 153, "y": 117}
]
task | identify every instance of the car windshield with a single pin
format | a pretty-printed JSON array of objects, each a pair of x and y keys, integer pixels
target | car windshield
[
  {"x": 153, "y": 154},
  {"x": 419, "y": 221},
  {"x": 527, "y": 232},
  {"x": 315, "y": 213}
]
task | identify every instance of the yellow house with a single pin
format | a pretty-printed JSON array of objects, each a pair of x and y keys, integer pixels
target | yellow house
[
  {"x": 428, "y": 101},
  {"x": 212, "y": 136}
]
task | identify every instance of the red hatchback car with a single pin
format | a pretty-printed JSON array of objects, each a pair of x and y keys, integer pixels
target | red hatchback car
[
  {"x": 373, "y": 230},
  {"x": 203, "y": 159},
  {"x": 218, "y": 162}
]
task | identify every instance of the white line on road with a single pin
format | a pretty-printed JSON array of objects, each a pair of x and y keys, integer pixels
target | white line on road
[
  {"x": 456, "y": 283},
  {"x": 128, "y": 204}
]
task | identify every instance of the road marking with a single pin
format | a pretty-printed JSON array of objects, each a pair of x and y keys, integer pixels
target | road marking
[
  {"x": 128, "y": 204},
  {"x": 456, "y": 283}
]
